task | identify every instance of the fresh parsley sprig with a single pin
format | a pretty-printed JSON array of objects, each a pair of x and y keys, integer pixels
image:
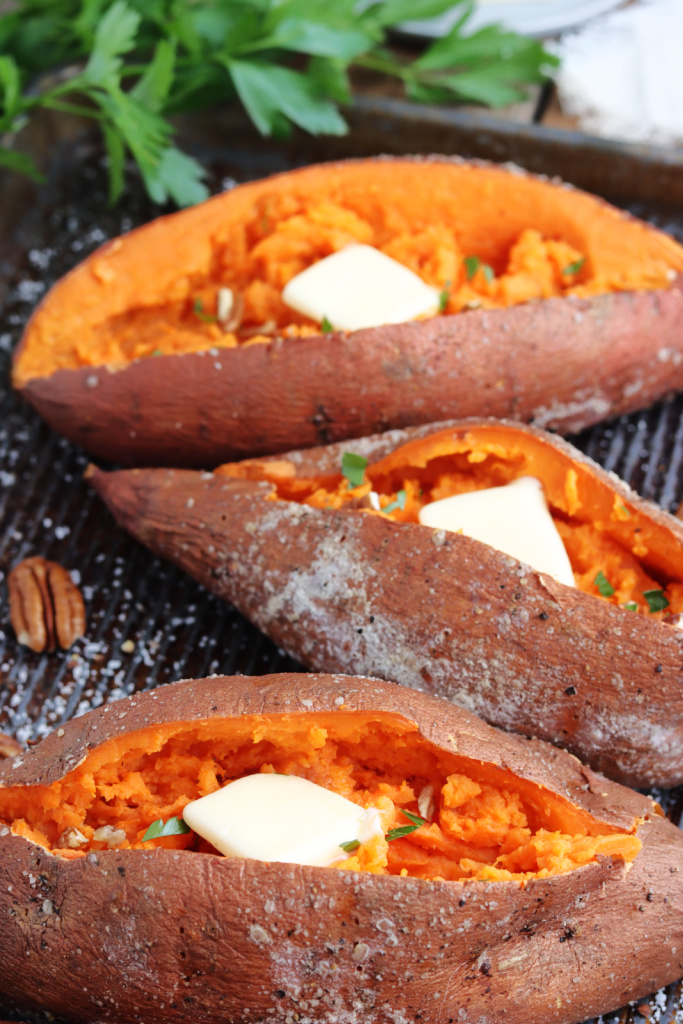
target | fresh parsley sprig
[{"x": 130, "y": 65}]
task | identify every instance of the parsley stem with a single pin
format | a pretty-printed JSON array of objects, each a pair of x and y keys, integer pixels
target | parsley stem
[
  {"x": 72, "y": 108},
  {"x": 387, "y": 67}
]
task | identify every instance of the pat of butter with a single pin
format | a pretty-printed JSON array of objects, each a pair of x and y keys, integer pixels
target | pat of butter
[
  {"x": 514, "y": 519},
  {"x": 280, "y": 818},
  {"x": 360, "y": 287}
]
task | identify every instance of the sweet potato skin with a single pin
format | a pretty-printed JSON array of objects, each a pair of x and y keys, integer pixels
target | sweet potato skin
[
  {"x": 560, "y": 363},
  {"x": 439, "y": 612},
  {"x": 171, "y": 936}
]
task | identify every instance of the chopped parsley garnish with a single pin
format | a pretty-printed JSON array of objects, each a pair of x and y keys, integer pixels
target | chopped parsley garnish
[
  {"x": 444, "y": 296},
  {"x": 157, "y": 352},
  {"x": 630, "y": 606},
  {"x": 350, "y": 846},
  {"x": 173, "y": 827},
  {"x": 603, "y": 584},
  {"x": 198, "y": 310},
  {"x": 399, "y": 503},
  {"x": 472, "y": 265},
  {"x": 656, "y": 600},
  {"x": 353, "y": 468},
  {"x": 326, "y": 327},
  {"x": 405, "y": 830},
  {"x": 622, "y": 508},
  {"x": 574, "y": 268}
]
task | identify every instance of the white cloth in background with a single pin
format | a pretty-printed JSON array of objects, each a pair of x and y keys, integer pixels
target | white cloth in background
[{"x": 622, "y": 74}]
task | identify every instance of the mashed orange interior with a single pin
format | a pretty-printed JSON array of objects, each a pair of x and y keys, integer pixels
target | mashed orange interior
[
  {"x": 486, "y": 237},
  {"x": 640, "y": 559},
  {"x": 483, "y": 822}
]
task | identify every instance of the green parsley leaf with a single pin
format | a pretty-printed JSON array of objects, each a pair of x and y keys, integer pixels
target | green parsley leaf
[
  {"x": 198, "y": 310},
  {"x": 603, "y": 584},
  {"x": 10, "y": 91},
  {"x": 318, "y": 39},
  {"x": 178, "y": 176},
  {"x": 415, "y": 818},
  {"x": 353, "y": 468},
  {"x": 622, "y": 508},
  {"x": 444, "y": 296},
  {"x": 173, "y": 827},
  {"x": 630, "y": 606},
  {"x": 399, "y": 833},
  {"x": 19, "y": 162},
  {"x": 574, "y": 268},
  {"x": 326, "y": 327},
  {"x": 399, "y": 503},
  {"x": 490, "y": 66},
  {"x": 157, "y": 352},
  {"x": 656, "y": 600},
  {"x": 472, "y": 264},
  {"x": 405, "y": 830},
  {"x": 153, "y": 87},
  {"x": 390, "y": 12},
  {"x": 116, "y": 152},
  {"x": 273, "y": 95},
  {"x": 350, "y": 846},
  {"x": 329, "y": 75},
  {"x": 116, "y": 34}
]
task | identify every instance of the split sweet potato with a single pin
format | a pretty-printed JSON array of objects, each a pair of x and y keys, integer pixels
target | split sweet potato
[
  {"x": 537, "y": 890},
  {"x": 557, "y": 308},
  {"x": 596, "y": 669}
]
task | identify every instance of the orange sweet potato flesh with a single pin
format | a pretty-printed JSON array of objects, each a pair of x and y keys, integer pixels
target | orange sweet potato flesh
[
  {"x": 485, "y": 824},
  {"x": 603, "y": 532},
  {"x": 529, "y": 232},
  {"x": 539, "y": 280}
]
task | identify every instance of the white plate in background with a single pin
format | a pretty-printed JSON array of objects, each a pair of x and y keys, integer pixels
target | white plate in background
[{"x": 531, "y": 17}]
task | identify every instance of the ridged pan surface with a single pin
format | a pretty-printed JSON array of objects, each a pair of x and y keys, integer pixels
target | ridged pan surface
[{"x": 148, "y": 624}]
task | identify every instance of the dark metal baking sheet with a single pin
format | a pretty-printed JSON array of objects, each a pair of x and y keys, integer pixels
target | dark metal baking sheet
[{"x": 147, "y": 623}]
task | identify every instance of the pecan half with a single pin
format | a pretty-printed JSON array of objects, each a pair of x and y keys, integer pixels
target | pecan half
[
  {"x": 9, "y": 746},
  {"x": 46, "y": 606}
]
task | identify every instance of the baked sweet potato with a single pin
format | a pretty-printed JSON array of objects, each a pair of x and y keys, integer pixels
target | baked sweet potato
[
  {"x": 538, "y": 891},
  {"x": 344, "y": 588},
  {"x": 557, "y": 308}
]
